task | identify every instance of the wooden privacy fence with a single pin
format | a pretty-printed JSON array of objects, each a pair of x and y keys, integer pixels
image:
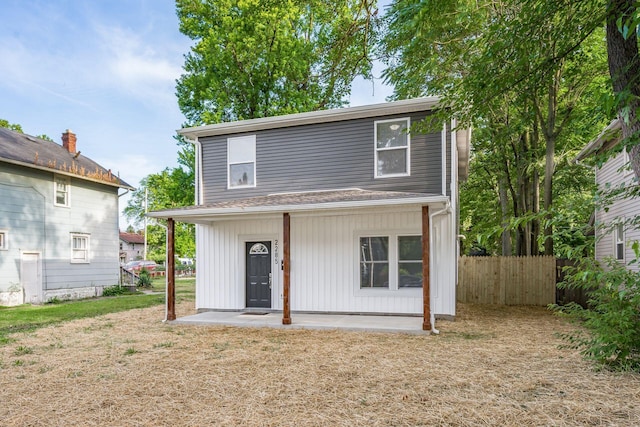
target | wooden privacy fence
[{"x": 507, "y": 280}]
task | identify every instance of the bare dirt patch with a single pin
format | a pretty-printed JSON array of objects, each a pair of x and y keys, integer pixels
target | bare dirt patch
[{"x": 492, "y": 366}]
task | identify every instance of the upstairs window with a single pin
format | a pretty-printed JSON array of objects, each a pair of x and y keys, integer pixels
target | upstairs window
[
  {"x": 61, "y": 187},
  {"x": 79, "y": 248},
  {"x": 392, "y": 145},
  {"x": 241, "y": 162},
  {"x": 619, "y": 241},
  {"x": 4, "y": 243}
]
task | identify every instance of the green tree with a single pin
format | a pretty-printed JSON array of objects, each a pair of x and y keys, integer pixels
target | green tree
[
  {"x": 253, "y": 59},
  {"x": 522, "y": 76},
  {"x": 260, "y": 58},
  {"x": 12, "y": 126},
  {"x": 170, "y": 188}
]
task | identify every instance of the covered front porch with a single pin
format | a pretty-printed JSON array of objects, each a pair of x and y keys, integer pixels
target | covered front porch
[
  {"x": 303, "y": 221},
  {"x": 317, "y": 321}
]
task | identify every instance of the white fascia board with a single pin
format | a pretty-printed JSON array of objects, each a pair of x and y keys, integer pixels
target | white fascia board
[
  {"x": 595, "y": 144},
  {"x": 194, "y": 215},
  {"x": 322, "y": 116}
]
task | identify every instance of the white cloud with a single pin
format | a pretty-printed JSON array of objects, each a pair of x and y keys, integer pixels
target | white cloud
[{"x": 136, "y": 67}]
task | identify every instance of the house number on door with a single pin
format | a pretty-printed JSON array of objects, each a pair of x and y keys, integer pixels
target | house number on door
[{"x": 275, "y": 252}]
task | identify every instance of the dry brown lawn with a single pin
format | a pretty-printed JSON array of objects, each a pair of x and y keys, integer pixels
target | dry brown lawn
[{"x": 493, "y": 366}]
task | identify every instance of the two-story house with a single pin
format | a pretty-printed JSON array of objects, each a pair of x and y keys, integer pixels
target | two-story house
[
  {"x": 58, "y": 221},
  {"x": 131, "y": 247},
  {"x": 614, "y": 231},
  {"x": 351, "y": 210}
]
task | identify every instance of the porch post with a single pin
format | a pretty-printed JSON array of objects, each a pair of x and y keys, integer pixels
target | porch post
[
  {"x": 286, "y": 236},
  {"x": 170, "y": 271},
  {"x": 426, "y": 277}
]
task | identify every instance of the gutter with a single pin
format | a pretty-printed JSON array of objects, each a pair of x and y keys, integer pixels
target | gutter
[{"x": 447, "y": 209}]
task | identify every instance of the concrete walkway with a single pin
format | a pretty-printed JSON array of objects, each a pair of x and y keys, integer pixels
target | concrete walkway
[{"x": 351, "y": 322}]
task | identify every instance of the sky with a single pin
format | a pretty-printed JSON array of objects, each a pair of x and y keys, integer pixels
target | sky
[{"x": 106, "y": 70}]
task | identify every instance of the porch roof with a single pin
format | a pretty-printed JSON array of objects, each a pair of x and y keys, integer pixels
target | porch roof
[{"x": 298, "y": 202}]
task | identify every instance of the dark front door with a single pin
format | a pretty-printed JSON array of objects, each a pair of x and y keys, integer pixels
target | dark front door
[{"x": 258, "y": 277}]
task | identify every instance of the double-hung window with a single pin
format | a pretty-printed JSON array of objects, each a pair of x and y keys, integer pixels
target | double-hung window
[
  {"x": 409, "y": 262},
  {"x": 241, "y": 161},
  {"x": 390, "y": 262},
  {"x": 619, "y": 241},
  {"x": 80, "y": 248},
  {"x": 374, "y": 262},
  {"x": 392, "y": 148},
  {"x": 61, "y": 190},
  {"x": 4, "y": 242}
]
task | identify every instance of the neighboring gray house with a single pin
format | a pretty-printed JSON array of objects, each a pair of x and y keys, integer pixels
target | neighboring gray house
[
  {"x": 131, "y": 247},
  {"x": 613, "y": 237},
  {"x": 340, "y": 210},
  {"x": 58, "y": 221}
]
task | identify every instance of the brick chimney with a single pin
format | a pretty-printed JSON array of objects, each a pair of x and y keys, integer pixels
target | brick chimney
[{"x": 69, "y": 141}]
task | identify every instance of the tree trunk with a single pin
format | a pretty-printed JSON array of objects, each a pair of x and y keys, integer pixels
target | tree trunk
[
  {"x": 624, "y": 67},
  {"x": 506, "y": 234}
]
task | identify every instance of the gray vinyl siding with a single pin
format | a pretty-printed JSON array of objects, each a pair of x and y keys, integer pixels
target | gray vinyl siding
[
  {"x": 324, "y": 156},
  {"x": 33, "y": 223}
]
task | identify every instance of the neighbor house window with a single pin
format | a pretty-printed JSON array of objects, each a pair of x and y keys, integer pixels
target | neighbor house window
[
  {"x": 392, "y": 145},
  {"x": 409, "y": 262},
  {"x": 80, "y": 248},
  {"x": 4, "y": 243},
  {"x": 61, "y": 187},
  {"x": 241, "y": 161},
  {"x": 392, "y": 262},
  {"x": 619, "y": 234},
  {"x": 374, "y": 262}
]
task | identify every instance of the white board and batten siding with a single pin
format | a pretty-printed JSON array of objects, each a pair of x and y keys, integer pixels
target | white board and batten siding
[
  {"x": 324, "y": 261},
  {"x": 616, "y": 172}
]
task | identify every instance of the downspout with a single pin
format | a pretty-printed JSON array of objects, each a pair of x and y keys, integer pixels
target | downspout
[{"x": 446, "y": 209}]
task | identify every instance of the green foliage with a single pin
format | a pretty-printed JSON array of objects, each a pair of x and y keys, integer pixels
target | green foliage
[
  {"x": 144, "y": 278},
  {"x": 611, "y": 334},
  {"x": 12, "y": 126},
  {"x": 259, "y": 59},
  {"x": 29, "y": 317},
  {"x": 171, "y": 188},
  {"x": 530, "y": 77},
  {"x": 22, "y": 350},
  {"x": 115, "y": 290}
]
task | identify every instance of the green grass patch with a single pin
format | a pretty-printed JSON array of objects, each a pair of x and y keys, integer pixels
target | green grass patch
[{"x": 26, "y": 318}]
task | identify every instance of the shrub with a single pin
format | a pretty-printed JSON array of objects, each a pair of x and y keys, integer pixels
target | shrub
[
  {"x": 611, "y": 334},
  {"x": 144, "y": 278},
  {"x": 115, "y": 290}
]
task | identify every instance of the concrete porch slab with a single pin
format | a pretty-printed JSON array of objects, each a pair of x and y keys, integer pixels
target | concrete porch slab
[{"x": 350, "y": 322}]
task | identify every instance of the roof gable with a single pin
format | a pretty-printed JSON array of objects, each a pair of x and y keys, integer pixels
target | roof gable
[
  {"x": 607, "y": 139},
  {"x": 132, "y": 237},
  {"x": 36, "y": 153}
]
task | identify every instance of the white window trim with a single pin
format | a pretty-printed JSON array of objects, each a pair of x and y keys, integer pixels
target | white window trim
[
  {"x": 67, "y": 182},
  {"x": 617, "y": 242},
  {"x": 394, "y": 260},
  {"x": 376, "y": 149},
  {"x": 229, "y": 163},
  {"x": 87, "y": 258},
  {"x": 4, "y": 241}
]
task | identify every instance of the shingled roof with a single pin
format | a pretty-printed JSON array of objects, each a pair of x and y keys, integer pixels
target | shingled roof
[
  {"x": 29, "y": 151},
  {"x": 131, "y": 237},
  {"x": 304, "y": 201}
]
